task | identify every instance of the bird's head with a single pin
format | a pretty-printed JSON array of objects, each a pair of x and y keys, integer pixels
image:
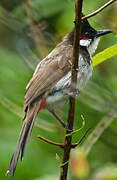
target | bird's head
[{"x": 90, "y": 37}]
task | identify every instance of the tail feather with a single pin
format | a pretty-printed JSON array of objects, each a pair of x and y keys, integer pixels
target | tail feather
[{"x": 24, "y": 136}]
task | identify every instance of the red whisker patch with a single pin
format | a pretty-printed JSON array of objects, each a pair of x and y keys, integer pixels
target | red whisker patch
[{"x": 84, "y": 37}]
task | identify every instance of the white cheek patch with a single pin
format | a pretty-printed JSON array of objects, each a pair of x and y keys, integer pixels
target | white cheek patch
[{"x": 85, "y": 42}]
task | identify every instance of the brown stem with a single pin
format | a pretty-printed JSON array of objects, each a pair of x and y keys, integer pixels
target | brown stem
[
  {"x": 70, "y": 122},
  {"x": 38, "y": 37},
  {"x": 51, "y": 142},
  {"x": 98, "y": 10}
]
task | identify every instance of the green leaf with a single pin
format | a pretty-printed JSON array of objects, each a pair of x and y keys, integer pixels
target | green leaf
[{"x": 104, "y": 55}]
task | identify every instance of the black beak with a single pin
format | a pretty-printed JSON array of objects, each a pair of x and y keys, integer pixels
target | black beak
[{"x": 103, "y": 32}]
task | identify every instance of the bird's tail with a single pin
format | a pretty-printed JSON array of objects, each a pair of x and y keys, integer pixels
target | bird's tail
[{"x": 24, "y": 136}]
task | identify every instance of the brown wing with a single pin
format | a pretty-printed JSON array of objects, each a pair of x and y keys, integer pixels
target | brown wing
[{"x": 49, "y": 72}]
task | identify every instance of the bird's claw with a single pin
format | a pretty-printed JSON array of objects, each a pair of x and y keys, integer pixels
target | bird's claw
[{"x": 69, "y": 130}]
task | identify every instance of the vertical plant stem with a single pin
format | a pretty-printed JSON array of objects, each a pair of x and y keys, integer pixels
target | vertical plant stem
[{"x": 70, "y": 122}]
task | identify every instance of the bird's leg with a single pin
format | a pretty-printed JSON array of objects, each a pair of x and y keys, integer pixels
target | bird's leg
[{"x": 60, "y": 120}]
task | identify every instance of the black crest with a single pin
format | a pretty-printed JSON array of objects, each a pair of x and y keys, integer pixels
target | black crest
[{"x": 86, "y": 29}]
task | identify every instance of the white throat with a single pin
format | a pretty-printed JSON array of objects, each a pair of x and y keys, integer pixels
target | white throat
[{"x": 91, "y": 45}]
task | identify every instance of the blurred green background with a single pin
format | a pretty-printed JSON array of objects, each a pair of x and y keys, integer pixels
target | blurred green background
[{"x": 18, "y": 58}]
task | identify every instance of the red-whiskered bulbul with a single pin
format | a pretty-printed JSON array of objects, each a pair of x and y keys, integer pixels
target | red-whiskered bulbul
[{"x": 50, "y": 85}]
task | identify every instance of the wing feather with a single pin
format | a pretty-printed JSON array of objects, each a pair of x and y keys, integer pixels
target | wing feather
[{"x": 49, "y": 72}]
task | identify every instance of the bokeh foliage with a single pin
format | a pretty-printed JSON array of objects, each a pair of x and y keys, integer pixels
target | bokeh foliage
[{"x": 98, "y": 100}]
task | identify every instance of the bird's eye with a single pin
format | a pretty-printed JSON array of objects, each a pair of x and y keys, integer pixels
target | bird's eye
[{"x": 84, "y": 37}]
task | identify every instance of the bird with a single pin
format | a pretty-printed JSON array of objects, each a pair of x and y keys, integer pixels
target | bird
[{"x": 50, "y": 85}]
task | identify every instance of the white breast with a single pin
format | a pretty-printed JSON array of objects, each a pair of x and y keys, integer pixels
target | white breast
[
  {"x": 84, "y": 73},
  {"x": 60, "y": 92}
]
